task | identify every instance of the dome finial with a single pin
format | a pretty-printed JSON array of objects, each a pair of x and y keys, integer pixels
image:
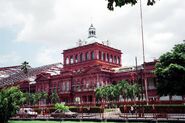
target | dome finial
[{"x": 92, "y": 31}]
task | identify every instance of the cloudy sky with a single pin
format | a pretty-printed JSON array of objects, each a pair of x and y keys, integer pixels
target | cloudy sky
[{"x": 38, "y": 31}]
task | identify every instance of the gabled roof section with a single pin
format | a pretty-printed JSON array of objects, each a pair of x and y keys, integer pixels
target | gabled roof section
[{"x": 19, "y": 75}]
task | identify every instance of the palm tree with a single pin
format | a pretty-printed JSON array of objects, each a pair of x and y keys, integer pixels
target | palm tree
[
  {"x": 133, "y": 91},
  {"x": 101, "y": 94},
  {"x": 54, "y": 98},
  {"x": 44, "y": 96},
  {"x": 25, "y": 66},
  {"x": 98, "y": 94},
  {"x": 122, "y": 87}
]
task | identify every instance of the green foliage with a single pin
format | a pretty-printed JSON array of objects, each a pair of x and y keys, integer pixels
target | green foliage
[
  {"x": 54, "y": 97},
  {"x": 61, "y": 107},
  {"x": 25, "y": 66},
  {"x": 34, "y": 98},
  {"x": 170, "y": 72},
  {"x": 94, "y": 109},
  {"x": 120, "y": 3},
  {"x": 112, "y": 92},
  {"x": 164, "y": 108},
  {"x": 10, "y": 101}
]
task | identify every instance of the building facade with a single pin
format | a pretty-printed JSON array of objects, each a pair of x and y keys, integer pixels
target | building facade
[{"x": 93, "y": 64}]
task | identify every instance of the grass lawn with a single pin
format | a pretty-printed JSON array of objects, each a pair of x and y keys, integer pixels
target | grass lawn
[
  {"x": 54, "y": 122},
  {"x": 36, "y": 121}
]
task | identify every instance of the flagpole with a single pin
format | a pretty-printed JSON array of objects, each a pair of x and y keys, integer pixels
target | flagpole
[{"x": 143, "y": 51}]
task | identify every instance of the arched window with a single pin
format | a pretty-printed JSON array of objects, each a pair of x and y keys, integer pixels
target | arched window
[
  {"x": 107, "y": 57},
  {"x": 76, "y": 58},
  {"x": 81, "y": 57},
  {"x": 115, "y": 59},
  {"x": 118, "y": 60},
  {"x": 111, "y": 58},
  {"x": 100, "y": 55},
  {"x": 71, "y": 60},
  {"x": 104, "y": 57},
  {"x": 67, "y": 60},
  {"x": 86, "y": 56},
  {"x": 92, "y": 55}
]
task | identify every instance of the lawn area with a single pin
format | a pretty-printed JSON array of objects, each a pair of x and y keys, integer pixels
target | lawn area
[
  {"x": 55, "y": 122},
  {"x": 36, "y": 121}
]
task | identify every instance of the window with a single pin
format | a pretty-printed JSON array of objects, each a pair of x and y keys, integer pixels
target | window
[
  {"x": 111, "y": 58},
  {"x": 67, "y": 60},
  {"x": 67, "y": 86},
  {"x": 115, "y": 59},
  {"x": 99, "y": 55},
  {"x": 63, "y": 86},
  {"x": 151, "y": 83},
  {"x": 76, "y": 58},
  {"x": 87, "y": 56},
  {"x": 104, "y": 57},
  {"x": 98, "y": 85},
  {"x": 87, "y": 84},
  {"x": 81, "y": 57},
  {"x": 92, "y": 55},
  {"x": 107, "y": 57},
  {"x": 71, "y": 60},
  {"x": 118, "y": 60}
]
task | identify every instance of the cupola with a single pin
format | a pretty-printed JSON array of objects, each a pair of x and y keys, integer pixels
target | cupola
[{"x": 92, "y": 32}]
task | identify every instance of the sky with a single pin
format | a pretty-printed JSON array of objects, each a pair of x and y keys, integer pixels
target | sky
[{"x": 38, "y": 31}]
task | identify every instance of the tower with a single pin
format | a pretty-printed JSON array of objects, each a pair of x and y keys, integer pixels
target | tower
[
  {"x": 92, "y": 31},
  {"x": 92, "y": 53}
]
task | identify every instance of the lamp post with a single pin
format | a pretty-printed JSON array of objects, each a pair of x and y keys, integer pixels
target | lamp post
[{"x": 31, "y": 81}]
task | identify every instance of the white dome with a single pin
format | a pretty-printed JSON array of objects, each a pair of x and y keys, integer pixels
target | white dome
[{"x": 93, "y": 40}]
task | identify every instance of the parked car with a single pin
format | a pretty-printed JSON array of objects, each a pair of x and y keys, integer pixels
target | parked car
[
  {"x": 26, "y": 113},
  {"x": 64, "y": 114}
]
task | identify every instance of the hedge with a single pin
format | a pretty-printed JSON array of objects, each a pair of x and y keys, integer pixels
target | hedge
[
  {"x": 86, "y": 109},
  {"x": 155, "y": 108}
]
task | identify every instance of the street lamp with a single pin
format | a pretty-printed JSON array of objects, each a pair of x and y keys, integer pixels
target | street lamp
[{"x": 31, "y": 81}]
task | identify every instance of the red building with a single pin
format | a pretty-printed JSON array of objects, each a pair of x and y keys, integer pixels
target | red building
[{"x": 90, "y": 65}]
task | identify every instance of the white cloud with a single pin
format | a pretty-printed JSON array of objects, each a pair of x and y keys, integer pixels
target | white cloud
[
  {"x": 58, "y": 24},
  {"x": 47, "y": 56},
  {"x": 10, "y": 59}
]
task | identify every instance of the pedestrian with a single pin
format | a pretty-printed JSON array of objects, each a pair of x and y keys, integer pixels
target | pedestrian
[{"x": 132, "y": 110}]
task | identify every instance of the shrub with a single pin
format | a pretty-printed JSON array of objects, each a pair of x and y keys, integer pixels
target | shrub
[{"x": 86, "y": 109}]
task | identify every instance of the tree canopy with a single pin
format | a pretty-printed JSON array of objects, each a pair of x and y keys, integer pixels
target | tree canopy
[
  {"x": 123, "y": 88},
  {"x": 120, "y": 3},
  {"x": 170, "y": 72},
  {"x": 34, "y": 98},
  {"x": 25, "y": 66},
  {"x": 10, "y": 101},
  {"x": 54, "y": 98}
]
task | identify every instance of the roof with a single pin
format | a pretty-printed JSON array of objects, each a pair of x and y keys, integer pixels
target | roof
[
  {"x": 12, "y": 75},
  {"x": 7, "y": 71}
]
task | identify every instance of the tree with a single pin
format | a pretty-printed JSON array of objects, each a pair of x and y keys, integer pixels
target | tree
[
  {"x": 54, "y": 97},
  {"x": 122, "y": 86},
  {"x": 10, "y": 101},
  {"x": 25, "y": 66},
  {"x": 37, "y": 97},
  {"x": 120, "y": 3},
  {"x": 133, "y": 91},
  {"x": 170, "y": 72}
]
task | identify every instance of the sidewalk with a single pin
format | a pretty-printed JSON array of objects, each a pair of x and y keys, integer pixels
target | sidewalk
[{"x": 114, "y": 116}]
